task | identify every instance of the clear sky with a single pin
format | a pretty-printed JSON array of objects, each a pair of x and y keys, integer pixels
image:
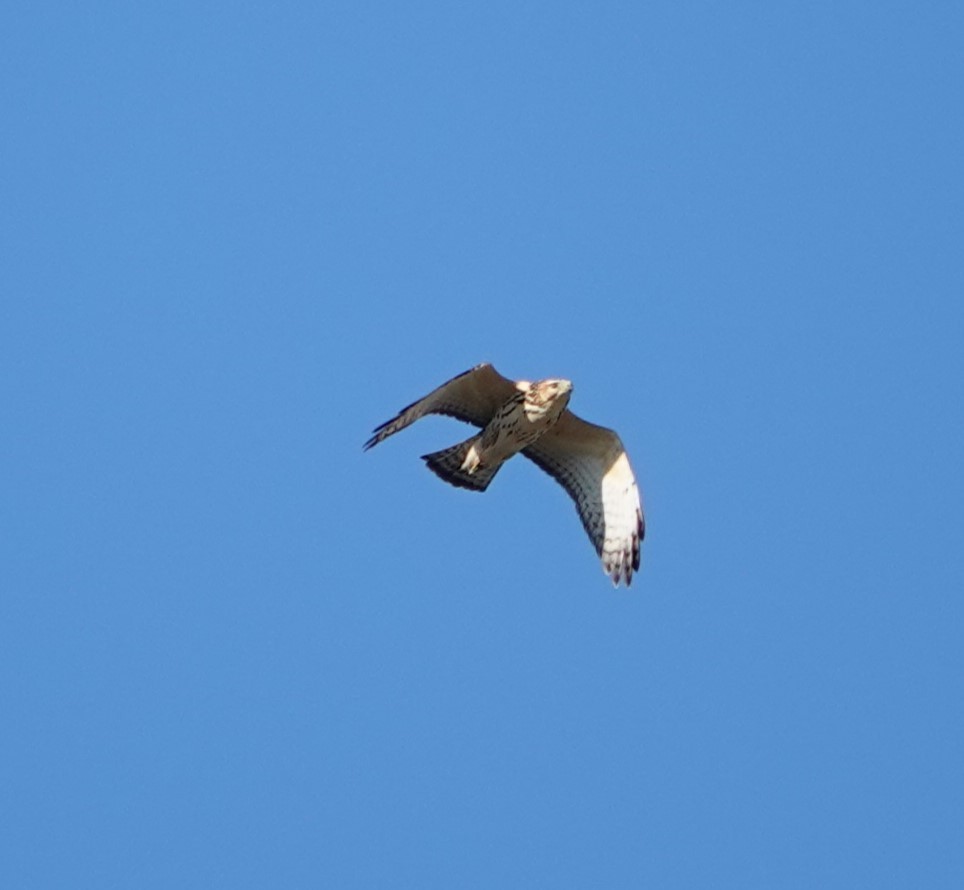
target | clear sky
[{"x": 236, "y": 651}]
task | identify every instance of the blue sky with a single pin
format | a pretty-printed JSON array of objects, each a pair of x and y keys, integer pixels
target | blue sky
[{"x": 237, "y": 651}]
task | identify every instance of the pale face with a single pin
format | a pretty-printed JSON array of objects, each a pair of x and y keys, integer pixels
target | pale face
[
  {"x": 554, "y": 389},
  {"x": 548, "y": 398}
]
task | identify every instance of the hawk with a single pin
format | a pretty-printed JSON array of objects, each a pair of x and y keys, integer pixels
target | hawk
[{"x": 589, "y": 461}]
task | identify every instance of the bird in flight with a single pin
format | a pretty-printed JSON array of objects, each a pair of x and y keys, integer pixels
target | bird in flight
[{"x": 589, "y": 461}]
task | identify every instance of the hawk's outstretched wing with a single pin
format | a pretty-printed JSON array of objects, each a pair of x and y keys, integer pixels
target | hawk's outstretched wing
[
  {"x": 472, "y": 397},
  {"x": 590, "y": 462}
]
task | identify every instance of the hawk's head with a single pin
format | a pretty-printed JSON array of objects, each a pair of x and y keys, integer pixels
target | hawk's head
[{"x": 547, "y": 399}]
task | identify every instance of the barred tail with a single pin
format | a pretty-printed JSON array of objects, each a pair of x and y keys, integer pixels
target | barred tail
[{"x": 447, "y": 465}]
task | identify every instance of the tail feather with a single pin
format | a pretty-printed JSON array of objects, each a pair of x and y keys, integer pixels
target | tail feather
[{"x": 447, "y": 465}]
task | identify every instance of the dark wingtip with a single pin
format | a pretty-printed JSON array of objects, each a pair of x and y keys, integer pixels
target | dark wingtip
[{"x": 376, "y": 435}]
